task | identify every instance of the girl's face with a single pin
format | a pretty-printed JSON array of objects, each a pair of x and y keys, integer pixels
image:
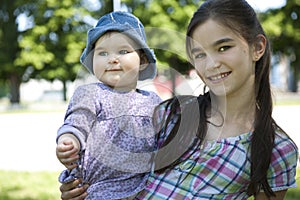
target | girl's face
[
  {"x": 223, "y": 60},
  {"x": 116, "y": 61}
]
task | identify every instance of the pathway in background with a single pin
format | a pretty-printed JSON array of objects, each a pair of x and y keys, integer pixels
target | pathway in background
[{"x": 28, "y": 141}]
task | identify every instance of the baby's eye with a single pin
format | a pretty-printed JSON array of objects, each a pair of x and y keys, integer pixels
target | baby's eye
[
  {"x": 199, "y": 55},
  {"x": 103, "y": 53},
  {"x": 223, "y": 48},
  {"x": 123, "y": 51}
]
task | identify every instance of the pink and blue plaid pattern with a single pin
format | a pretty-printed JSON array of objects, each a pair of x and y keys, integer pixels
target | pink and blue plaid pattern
[{"x": 221, "y": 170}]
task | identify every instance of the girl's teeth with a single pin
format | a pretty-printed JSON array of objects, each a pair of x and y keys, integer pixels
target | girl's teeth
[{"x": 214, "y": 78}]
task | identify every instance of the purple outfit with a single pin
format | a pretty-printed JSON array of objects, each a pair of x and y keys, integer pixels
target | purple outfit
[{"x": 117, "y": 138}]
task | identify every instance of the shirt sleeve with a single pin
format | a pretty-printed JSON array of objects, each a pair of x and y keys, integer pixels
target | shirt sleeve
[
  {"x": 282, "y": 171},
  {"x": 81, "y": 113}
]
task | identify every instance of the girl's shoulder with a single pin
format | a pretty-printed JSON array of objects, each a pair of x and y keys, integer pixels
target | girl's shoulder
[
  {"x": 282, "y": 170},
  {"x": 285, "y": 150},
  {"x": 284, "y": 142}
]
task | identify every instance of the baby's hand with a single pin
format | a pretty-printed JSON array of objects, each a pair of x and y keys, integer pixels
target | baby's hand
[{"x": 67, "y": 153}]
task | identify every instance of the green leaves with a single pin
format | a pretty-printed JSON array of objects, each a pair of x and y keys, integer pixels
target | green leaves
[
  {"x": 166, "y": 23},
  {"x": 283, "y": 28}
]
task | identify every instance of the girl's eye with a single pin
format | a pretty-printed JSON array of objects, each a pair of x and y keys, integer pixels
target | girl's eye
[
  {"x": 224, "y": 48},
  {"x": 123, "y": 52},
  {"x": 103, "y": 53}
]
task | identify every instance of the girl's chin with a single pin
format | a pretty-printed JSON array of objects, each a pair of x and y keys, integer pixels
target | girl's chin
[{"x": 219, "y": 91}]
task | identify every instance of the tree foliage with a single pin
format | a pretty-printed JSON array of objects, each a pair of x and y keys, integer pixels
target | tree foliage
[
  {"x": 283, "y": 27},
  {"x": 51, "y": 47},
  {"x": 166, "y": 23},
  {"x": 11, "y": 74}
]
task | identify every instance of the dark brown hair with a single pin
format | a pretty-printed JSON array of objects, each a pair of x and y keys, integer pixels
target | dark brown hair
[{"x": 240, "y": 17}]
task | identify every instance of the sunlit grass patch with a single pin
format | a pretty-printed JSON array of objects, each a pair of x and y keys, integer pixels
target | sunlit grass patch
[{"x": 17, "y": 185}]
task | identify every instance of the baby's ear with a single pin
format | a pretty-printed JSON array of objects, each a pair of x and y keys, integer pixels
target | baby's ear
[
  {"x": 259, "y": 47},
  {"x": 143, "y": 61}
]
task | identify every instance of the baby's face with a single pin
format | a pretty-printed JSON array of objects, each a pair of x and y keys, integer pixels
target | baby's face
[{"x": 116, "y": 61}]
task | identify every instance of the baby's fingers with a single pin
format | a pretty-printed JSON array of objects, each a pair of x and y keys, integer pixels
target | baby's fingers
[
  {"x": 68, "y": 160},
  {"x": 63, "y": 152},
  {"x": 65, "y": 147},
  {"x": 71, "y": 165}
]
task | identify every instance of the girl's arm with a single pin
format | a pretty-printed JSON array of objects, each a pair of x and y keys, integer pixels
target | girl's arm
[
  {"x": 279, "y": 196},
  {"x": 71, "y": 191}
]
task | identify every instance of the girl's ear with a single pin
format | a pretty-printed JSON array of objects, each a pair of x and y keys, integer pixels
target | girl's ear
[
  {"x": 259, "y": 47},
  {"x": 143, "y": 61}
]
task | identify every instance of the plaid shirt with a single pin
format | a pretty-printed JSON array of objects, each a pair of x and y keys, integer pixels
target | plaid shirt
[{"x": 221, "y": 170}]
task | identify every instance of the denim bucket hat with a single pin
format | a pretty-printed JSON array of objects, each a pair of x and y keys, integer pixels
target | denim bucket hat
[{"x": 127, "y": 24}]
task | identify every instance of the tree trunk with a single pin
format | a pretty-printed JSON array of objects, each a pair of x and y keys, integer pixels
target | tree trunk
[
  {"x": 293, "y": 86},
  {"x": 173, "y": 81},
  {"x": 14, "y": 84},
  {"x": 64, "y": 90}
]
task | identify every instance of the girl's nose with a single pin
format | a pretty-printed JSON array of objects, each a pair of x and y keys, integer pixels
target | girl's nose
[{"x": 212, "y": 62}]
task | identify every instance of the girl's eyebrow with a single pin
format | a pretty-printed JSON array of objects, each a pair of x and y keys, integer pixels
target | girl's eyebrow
[
  {"x": 223, "y": 40},
  {"x": 216, "y": 43},
  {"x": 195, "y": 50}
]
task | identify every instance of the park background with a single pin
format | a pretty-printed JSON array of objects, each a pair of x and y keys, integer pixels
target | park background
[{"x": 40, "y": 45}]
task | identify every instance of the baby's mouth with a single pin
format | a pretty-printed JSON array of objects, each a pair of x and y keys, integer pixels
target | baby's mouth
[{"x": 112, "y": 70}]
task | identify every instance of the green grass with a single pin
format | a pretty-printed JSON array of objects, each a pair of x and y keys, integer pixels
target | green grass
[
  {"x": 287, "y": 103},
  {"x": 294, "y": 193},
  {"x": 15, "y": 185}
]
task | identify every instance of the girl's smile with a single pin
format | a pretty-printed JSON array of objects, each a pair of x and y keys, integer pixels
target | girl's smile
[{"x": 219, "y": 77}]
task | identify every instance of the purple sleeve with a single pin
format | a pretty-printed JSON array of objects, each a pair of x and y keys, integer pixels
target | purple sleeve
[{"x": 81, "y": 113}]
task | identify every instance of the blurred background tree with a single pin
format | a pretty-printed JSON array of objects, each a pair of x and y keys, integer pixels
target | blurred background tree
[
  {"x": 52, "y": 40},
  {"x": 51, "y": 49},
  {"x": 49, "y": 45},
  {"x": 10, "y": 73},
  {"x": 166, "y": 24},
  {"x": 283, "y": 28}
]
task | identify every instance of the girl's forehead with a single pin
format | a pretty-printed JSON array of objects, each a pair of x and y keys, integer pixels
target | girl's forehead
[
  {"x": 211, "y": 33},
  {"x": 210, "y": 29}
]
